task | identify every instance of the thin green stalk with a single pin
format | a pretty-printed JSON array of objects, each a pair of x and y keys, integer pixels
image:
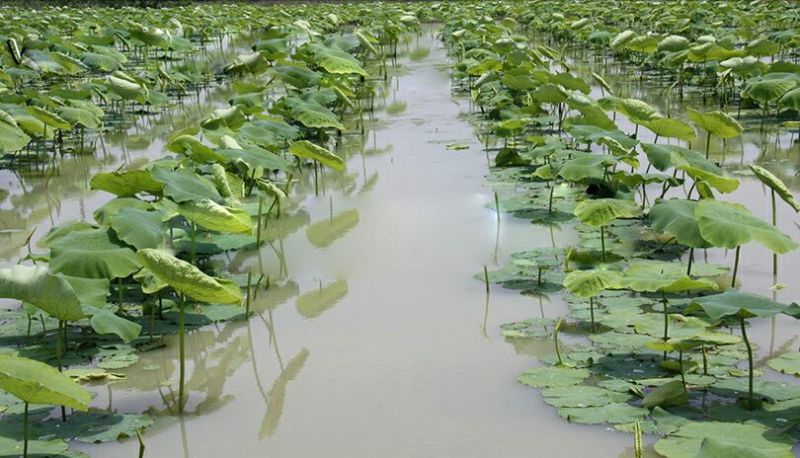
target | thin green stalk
[
  {"x": 591, "y": 312},
  {"x": 141, "y": 443},
  {"x": 247, "y": 297},
  {"x": 60, "y": 341},
  {"x": 603, "y": 243},
  {"x": 708, "y": 144},
  {"x": 555, "y": 340},
  {"x": 680, "y": 365},
  {"x": 181, "y": 352},
  {"x": 691, "y": 260},
  {"x": 666, "y": 320},
  {"x": 258, "y": 225},
  {"x": 750, "y": 404},
  {"x": 550, "y": 199},
  {"x": 735, "y": 266},
  {"x": 774, "y": 223},
  {"x": 486, "y": 278},
  {"x": 638, "y": 448},
  {"x": 25, "y": 432}
]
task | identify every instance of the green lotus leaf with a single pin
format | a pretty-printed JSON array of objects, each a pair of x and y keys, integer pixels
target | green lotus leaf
[
  {"x": 183, "y": 185},
  {"x": 253, "y": 63},
  {"x": 37, "y": 286},
  {"x": 662, "y": 157},
  {"x": 297, "y": 75},
  {"x": 670, "y": 128},
  {"x": 38, "y": 383},
  {"x": 105, "y": 321},
  {"x": 614, "y": 413},
  {"x": 717, "y": 123},
  {"x": 622, "y": 39},
  {"x": 672, "y": 393},
  {"x": 12, "y": 137},
  {"x": 231, "y": 117},
  {"x": 588, "y": 166},
  {"x": 100, "y": 62},
  {"x": 662, "y": 276},
  {"x": 688, "y": 440},
  {"x": 790, "y": 100},
  {"x": 581, "y": 396},
  {"x": 673, "y": 43},
  {"x": 194, "y": 148},
  {"x": 188, "y": 279},
  {"x": 314, "y": 115},
  {"x": 90, "y": 291},
  {"x": 737, "y": 304},
  {"x": 588, "y": 283},
  {"x": 308, "y": 150},
  {"x": 80, "y": 117},
  {"x": 776, "y": 185},
  {"x": 126, "y": 88},
  {"x": 636, "y": 110},
  {"x": 728, "y": 225},
  {"x": 600, "y": 212},
  {"x": 676, "y": 217},
  {"x": 107, "y": 211},
  {"x": 51, "y": 119},
  {"x": 788, "y": 363},
  {"x": 93, "y": 253},
  {"x": 336, "y": 61},
  {"x": 553, "y": 376},
  {"x": 126, "y": 184},
  {"x": 215, "y": 217},
  {"x": 139, "y": 228},
  {"x": 768, "y": 90}
]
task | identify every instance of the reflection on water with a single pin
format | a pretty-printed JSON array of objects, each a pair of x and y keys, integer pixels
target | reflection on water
[{"x": 372, "y": 339}]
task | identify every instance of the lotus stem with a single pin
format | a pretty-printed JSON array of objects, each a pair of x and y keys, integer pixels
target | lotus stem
[
  {"x": 486, "y": 278},
  {"x": 666, "y": 320},
  {"x": 708, "y": 144},
  {"x": 774, "y": 223},
  {"x": 550, "y": 200},
  {"x": 638, "y": 448},
  {"x": 194, "y": 244},
  {"x": 141, "y": 443},
  {"x": 704, "y": 351},
  {"x": 680, "y": 366},
  {"x": 735, "y": 266},
  {"x": 497, "y": 206},
  {"x": 555, "y": 340},
  {"x": 60, "y": 342},
  {"x": 591, "y": 313},
  {"x": 247, "y": 297},
  {"x": 539, "y": 277},
  {"x": 603, "y": 243},
  {"x": 750, "y": 404},
  {"x": 258, "y": 224},
  {"x": 181, "y": 352},
  {"x": 691, "y": 259},
  {"x": 25, "y": 432}
]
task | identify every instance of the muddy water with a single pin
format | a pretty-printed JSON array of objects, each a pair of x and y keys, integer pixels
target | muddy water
[{"x": 374, "y": 340}]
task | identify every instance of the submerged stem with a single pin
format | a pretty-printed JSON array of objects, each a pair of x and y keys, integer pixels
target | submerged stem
[{"x": 750, "y": 405}]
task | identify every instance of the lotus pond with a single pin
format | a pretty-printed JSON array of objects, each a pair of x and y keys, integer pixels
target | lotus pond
[{"x": 490, "y": 228}]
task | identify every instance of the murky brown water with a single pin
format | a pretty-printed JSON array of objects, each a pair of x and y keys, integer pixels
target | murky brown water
[{"x": 374, "y": 340}]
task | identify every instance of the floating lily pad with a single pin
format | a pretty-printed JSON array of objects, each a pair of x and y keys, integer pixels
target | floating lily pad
[
  {"x": 552, "y": 376},
  {"x": 582, "y": 396},
  {"x": 609, "y": 413},
  {"x": 688, "y": 440},
  {"x": 788, "y": 363}
]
